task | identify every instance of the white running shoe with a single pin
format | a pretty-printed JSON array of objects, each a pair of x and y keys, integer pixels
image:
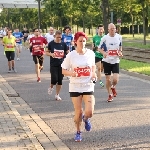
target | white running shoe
[
  {"x": 18, "y": 59},
  {"x": 50, "y": 90},
  {"x": 57, "y": 97},
  {"x": 14, "y": 70},
  {"x": 9, "y": 71}
]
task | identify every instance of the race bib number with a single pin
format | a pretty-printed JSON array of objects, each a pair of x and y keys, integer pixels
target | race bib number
[
  {"x": 59, "y": 53},
  {"x": 37, "y": 48},
  {"x": 17, "y": 40},
  {"x": 9, "y": 46},
  {"x": 113, "y": 52},
  {"x": 83, "y": 71}
]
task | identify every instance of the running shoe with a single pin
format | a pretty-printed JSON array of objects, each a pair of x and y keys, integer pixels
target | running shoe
[
  {"x": 114, "y": 92},
  {"x": 110, "y": 98},
  {"x": 18, "y": 59},
  {"x": 101, "y": 83},
  {"x": 87, "y": 124},
  {"x": 57, "y": 97},
  {"x": 78, "y": 137},
  {"x": 14, "y": 70},
  {"x": 38, "y": 80},
  {"x": 50, "y": 90},
  {"x": 9, "y": 71}
]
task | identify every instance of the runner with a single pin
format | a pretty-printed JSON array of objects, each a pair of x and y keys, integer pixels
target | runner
[
  {"x": 111, "y": 59},
  {"x": 1, "y": 34},
  {"x": 28, "y": 40},
  {"x": 57, "y": 51},
  {"x": 67, "y": 37},
  {"x": 80, "y": 66},
  {"x": 38, "y": 43},
  {"x": 98, "y": 56},
  {"x": 50, "y": 36},
  {"x": 9, "y": 43},
  {"x": 25, "y": 33},
  {"x": 19, "y": 36}
]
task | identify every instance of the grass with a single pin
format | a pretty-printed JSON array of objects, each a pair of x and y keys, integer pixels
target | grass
[
  {"x": 136, "y": 45},
  {"x": 133, "y": 66},
  {"x": 136, "y": 37}
]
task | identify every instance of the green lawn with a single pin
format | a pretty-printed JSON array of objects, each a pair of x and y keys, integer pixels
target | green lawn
[
  {"x": 139, "y": 67},
  {"x": 136, "y": 37},
  {"x": 136, "y": 45}
]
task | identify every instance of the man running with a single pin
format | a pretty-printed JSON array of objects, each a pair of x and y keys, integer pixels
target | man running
[
  {"x": 19, "y": 36},
  {"x": 98, "y": 56},
  {"x": 37, "y": 43},
  {"x": 57, "y": 51},
  {"x": 9, "y": 43},
  {"x": 50, "y": 35},
  {"x": 111, "y": 59},
  {"x": 67, "y": 37},
  {"x": 25, "y": 33}
]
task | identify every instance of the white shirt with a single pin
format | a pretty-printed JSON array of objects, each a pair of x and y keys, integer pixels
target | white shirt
[
  {"x": 111, "y": 44},
  {"x": 30, "y": 36},
  {"x": 1, "y": 33},
  {"x": 49, "y": 37},
  {"x": 84, "y": 63}
]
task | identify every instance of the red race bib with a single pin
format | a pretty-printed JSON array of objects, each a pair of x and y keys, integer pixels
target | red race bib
[
  {"x": 59, "y": 53},
  {"x": 83, "y": 71},
  {"x": 17, "y": 40},
  {"x": 9, "y": 46},
  {"x": 113, "y": 52},
  {"x": 37, "y": 48}
]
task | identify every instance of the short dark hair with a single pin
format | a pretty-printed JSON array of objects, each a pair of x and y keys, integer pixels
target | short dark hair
[
  {"x": 35, "y": 29},
  {"x": 67, "y": 27},
  {"x": 99, "y": 26},
  {"x": 58, "y": 32}
]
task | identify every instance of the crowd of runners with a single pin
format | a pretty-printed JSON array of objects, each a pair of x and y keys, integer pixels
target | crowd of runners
[{"x": 69, "y": 57}]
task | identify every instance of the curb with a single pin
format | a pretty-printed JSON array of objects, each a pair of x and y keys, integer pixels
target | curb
[{"x": 39, "y": 132}]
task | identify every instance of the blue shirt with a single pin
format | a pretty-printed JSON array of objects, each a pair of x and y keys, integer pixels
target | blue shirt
[
  {"x": 67, "y": 39},
  {"x": 18, "y": 36}
]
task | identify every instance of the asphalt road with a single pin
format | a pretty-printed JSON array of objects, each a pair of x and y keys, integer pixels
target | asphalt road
[{"x": 122, "y": 124}]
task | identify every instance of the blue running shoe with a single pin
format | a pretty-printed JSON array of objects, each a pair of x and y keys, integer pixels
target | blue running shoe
[
  {"x": 78, "y": 137},
  {"x": 87, "y": 124}
]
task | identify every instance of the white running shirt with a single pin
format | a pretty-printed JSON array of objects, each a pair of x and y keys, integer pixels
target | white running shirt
[
  {"x": 111, "y": 44},
  {"x": 49, "y": 37},
  {"x": 82, "y": 64}
]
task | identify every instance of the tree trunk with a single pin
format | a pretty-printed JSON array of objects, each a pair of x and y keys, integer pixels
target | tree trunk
[
  {"x": 146, "y": 26},
  {"x": 83, "y": 23},
  {"x": 105, "y": 10},
  {"x": 71, "y": 21},
  {"x": 144, "y": 31},
  {"x": 132, "y": 25},
  {"x": 60, "y": 22}
]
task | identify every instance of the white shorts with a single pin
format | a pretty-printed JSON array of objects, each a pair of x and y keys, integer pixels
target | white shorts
[{"x": 19, "y": 45}]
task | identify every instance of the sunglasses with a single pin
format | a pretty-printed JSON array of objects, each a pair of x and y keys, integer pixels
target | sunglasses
[{"x": 58, "y": 37}]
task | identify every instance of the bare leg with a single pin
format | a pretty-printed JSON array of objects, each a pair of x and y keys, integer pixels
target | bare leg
[{"x": 77, "y": 102}]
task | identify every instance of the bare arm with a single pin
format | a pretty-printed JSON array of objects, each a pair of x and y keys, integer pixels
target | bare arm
[{"x": 69, "y": 73}]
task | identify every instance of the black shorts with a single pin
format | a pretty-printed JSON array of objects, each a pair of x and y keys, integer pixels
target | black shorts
[
  {"x": 25, "y": 39},
  {"x": 56, "y": 75},
  {"x": 76, "y": 94},
  {"x": 10, "y": 55},
  {"x": 98, "y": 59},
  {"x": 108, "y": 68},
  {"x": 38, "y": 59}
]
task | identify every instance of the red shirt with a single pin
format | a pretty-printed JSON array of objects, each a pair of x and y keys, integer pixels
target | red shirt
[{"x": 38, "y": 45}]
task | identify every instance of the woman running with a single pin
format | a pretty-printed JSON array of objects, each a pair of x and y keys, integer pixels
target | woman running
[{"x": 80, "y": 66}]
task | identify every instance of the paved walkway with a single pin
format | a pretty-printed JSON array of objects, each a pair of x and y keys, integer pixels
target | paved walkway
[{"x": 22, "y": 128}]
